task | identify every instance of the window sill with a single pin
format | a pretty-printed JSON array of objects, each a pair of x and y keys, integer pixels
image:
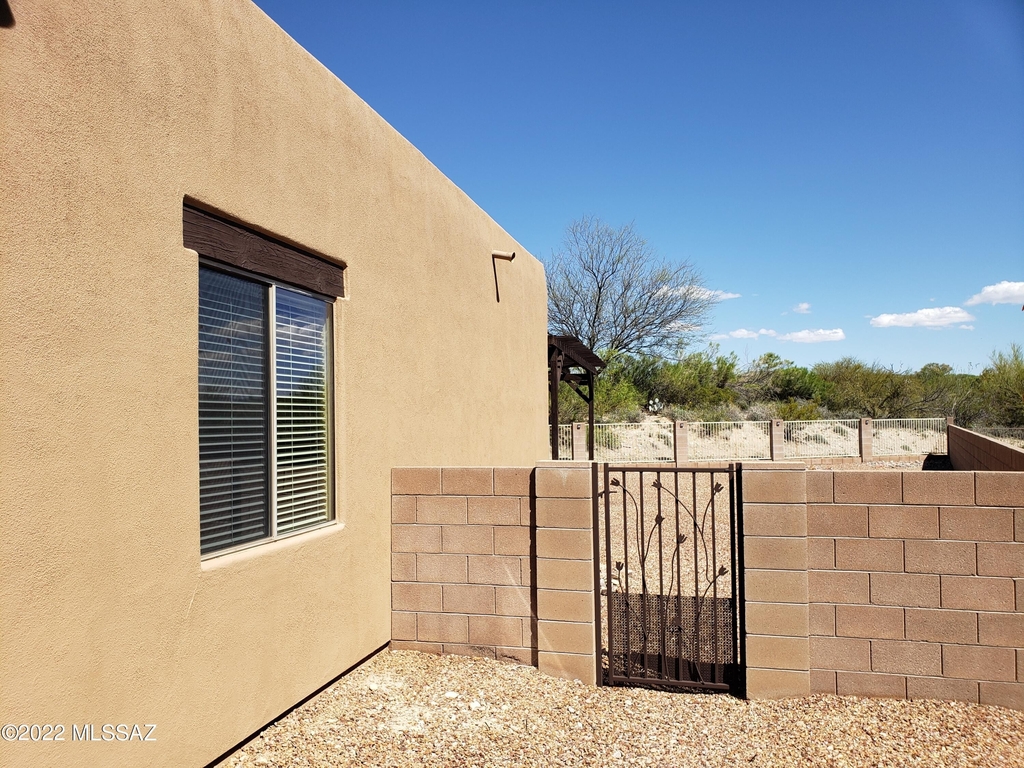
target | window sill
[{"x": 230, "y": 557}]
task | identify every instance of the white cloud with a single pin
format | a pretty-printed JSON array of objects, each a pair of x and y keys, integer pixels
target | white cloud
[
  {"x": 743, "y": 333},
  {"x": 1000, "y": 293},
  {"x": 801, "y": 337},
  {"x": 967, "y": 327},
  {"x": 803, "y": 308},
  {"x": 814, "y": 336},
  {"x": 699, "y": 292},
  {"x": 932, "y": 317}
]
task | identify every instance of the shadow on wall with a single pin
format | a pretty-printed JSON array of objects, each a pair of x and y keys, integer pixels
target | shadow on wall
[{"x": 6, "y": 17}]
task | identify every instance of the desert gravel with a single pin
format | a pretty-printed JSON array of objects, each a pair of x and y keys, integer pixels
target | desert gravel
[
  {"x": 887, "y": 465},
  {"x": 403, "y": 708}
]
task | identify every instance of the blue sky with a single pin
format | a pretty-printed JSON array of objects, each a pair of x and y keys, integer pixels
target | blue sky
[{"x": 853, "y": 172}]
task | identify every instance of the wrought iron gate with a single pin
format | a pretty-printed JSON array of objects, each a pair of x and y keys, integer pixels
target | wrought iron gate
[{"x": 671, "y": 581}]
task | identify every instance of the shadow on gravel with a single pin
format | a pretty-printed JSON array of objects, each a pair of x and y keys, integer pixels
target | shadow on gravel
[{"x": 937, "y": 462}]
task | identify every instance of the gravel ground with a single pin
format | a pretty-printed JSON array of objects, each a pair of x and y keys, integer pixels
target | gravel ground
[
  {"x": 410, "y": 709},
  {"x": 936, "y": 462}
]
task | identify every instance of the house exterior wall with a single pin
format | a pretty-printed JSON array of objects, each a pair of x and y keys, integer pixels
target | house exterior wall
[{"x": 111, "y": 115}]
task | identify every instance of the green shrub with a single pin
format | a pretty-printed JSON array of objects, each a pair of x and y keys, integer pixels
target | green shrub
[
  {"x": 798, "y": 410},
  {"x": 1002, "y": 388},
  {"x": 709, "y": 386}
]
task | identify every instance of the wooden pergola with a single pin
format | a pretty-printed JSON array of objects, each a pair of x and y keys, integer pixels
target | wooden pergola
[{"x": 572, "y": 361}]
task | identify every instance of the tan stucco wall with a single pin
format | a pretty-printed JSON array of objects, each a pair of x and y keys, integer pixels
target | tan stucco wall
[{"x": 110, "y": 114}]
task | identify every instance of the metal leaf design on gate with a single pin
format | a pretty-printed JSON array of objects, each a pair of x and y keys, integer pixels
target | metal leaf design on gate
[{"x": 663, "y": 633}]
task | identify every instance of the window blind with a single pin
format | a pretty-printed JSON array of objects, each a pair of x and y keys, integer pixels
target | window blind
[
  {"x": 301, "y": 410},
  {"x": 233, "y": 412}
]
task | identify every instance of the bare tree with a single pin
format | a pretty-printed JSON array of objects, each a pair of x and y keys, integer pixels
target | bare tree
[{"x": 608, "y": 288}]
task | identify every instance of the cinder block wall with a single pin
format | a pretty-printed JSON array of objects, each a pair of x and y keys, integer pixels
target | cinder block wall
[
  {"x": 775, "y": 562},
  {"x": 496, "y": 562},
  {"x": 565, "y": 571},
  {"x": 899, "y": 584},
  {"x": 461, "y": 571},
  {"x": 916, "y": 585},
  {"x": 970, "y": 451}
]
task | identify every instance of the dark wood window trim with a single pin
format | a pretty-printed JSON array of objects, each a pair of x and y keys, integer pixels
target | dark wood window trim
[{"x": 230, "y": 243}]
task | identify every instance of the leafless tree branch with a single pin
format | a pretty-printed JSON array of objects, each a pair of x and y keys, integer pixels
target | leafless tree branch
[{"x": 608, "y": 288}]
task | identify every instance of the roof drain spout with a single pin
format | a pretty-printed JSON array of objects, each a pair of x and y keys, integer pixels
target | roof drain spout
[{"x": 504, "y": 256}]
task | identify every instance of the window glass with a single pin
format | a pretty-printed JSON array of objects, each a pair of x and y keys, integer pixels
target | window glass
[
  {"x": 301, "y": 392},
  {"x": 233, "y": 413}
]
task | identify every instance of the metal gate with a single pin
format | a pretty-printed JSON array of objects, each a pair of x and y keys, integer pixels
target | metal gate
[{"x": 671, "y": 580}]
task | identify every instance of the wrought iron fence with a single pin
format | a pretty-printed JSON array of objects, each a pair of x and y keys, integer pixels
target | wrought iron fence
[
  {"x": 820, "y": 439},
  {"x": 649, "y": 442},
  {"x": 1010, "y": 435},
  {"x": 728, "y": 440},
  {"x": 902, "y": 437},
  {"x": 671, "y": 580},
  {"x": 565, "y": 441}
]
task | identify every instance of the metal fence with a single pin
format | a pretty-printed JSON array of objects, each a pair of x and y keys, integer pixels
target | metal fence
[
  {"x": 902, "y": 437},
  {"x": 565, "y": 441},
  {"x": 1010, "y": 435},
  {"x": 821, "y": 439},
  {"x": 725, "y": 440},
  {"x": 652, "y": 441},
  {"x": 671, "y": 576}
]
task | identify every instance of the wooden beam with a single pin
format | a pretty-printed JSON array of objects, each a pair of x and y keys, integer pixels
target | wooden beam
[{"x": 221, "y": 240}]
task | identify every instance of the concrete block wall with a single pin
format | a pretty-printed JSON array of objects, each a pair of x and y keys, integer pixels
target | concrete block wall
[
  {"x": 566, "y": 638},
  {"x": 970, "y": 451},
  {"x": 916, "y": 585},
  {"x": 461, "y": 567},
  {"x": 901, "y": 584},
  {"x": 775, "y": 575},
  {"x": 496, "y": 562}
]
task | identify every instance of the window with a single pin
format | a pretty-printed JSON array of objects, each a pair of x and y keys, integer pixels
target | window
[{"x": 265, "y": 451}]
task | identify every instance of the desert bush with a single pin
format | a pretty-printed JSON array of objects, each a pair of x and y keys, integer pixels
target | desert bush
[
  {"x": 796, "y": 383},
  {"x": 700, "y": 379},
  {"x": 617, "y": 398},
  {"x": 1002, "y": 388},
  {"x": 709, "y": 386},
  {"x": 798, "y": 410}
]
